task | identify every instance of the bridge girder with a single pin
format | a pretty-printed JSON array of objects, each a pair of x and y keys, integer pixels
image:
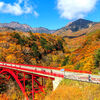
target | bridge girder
[{"x": 22, "y": 80}]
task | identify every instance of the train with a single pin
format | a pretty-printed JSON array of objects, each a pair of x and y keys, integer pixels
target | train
[{"x": 54, "y": 72}]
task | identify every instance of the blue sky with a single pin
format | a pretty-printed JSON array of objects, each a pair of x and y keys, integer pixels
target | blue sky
[{"x": 52, "y": 14}]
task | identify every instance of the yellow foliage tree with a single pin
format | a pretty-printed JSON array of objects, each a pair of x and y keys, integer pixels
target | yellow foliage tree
[
  {"x": 11, "y": 58},
  {"x": 88, "y": 64}
]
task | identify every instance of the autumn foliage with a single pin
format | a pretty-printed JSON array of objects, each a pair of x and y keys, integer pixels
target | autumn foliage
[{"x": 81, "y": 53}]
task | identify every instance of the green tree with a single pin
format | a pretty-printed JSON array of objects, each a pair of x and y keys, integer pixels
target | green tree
[
  {"x": 97, "y": 59},
  {"x": 32, "y": 36},
  {"x": 34, "y": 48},
  {"x": 77, "y": 66},
  {"x": 60, "y": 44},
  {"x": 20, "y": 40},
  {"x": 43, "y": 42},
  {"x": 65, "y": 61}
]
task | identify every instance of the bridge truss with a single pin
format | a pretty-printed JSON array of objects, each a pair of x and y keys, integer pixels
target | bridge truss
[
  {"x": 21, "y": 78},
  {"x": 23, "y": 73}
]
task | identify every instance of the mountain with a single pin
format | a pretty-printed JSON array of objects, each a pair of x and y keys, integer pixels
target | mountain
[
  {"x": 25, "y": 27},
  {"x": 75, "y": 26},
  {"x": 79, "y": 24},
  {"x": 70, "y": 29},
  {"x": 42, "y": 30}
]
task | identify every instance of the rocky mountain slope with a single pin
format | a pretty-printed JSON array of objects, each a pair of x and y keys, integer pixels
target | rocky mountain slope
[
  {"x": 75, "y": 26},
  {"x": 25, "y": 27},
  {"x": 79, "y": 24}
]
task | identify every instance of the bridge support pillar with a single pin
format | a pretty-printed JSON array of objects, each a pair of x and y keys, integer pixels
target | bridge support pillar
[{"x": 56, "y": 82}]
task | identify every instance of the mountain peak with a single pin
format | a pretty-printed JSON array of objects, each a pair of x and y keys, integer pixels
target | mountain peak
[
  {"x": 79, "y": 24},
  {"x": 83, "y": 20},
  {"x": 75, "y": 26}
]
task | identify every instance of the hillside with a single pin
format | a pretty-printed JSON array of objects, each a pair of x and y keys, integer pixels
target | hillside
[
  {"x": 79, "y": 53},
  {"x": 75, "y": 90},
  {"x": 49, "y": 50},
  {"x": 83, "y": 50},
  {"x": 31, "y": 48},
  {"x": 74, "y": 39}
]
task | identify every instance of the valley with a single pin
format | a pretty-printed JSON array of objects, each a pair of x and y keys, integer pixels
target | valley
[{"x": 75, "y": 46}]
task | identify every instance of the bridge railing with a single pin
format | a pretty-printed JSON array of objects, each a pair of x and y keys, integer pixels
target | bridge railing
[
  {"x": 54, "y": 72},
  {"x": 35, "y": 69},
  {"x": 43, "y": 67}
]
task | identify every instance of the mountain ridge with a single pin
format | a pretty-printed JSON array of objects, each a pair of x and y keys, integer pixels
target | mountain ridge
[
  {"x": 25, "y": 27},
  {"x": 70, "y": 28}
]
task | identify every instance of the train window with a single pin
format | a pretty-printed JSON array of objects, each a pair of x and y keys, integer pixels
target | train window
[
  {"x": 17, "y": 66},
  {"x": 5, "y": 64},
  {"x": 23, "y": 66},
  {"x": 9, "y": 64}
]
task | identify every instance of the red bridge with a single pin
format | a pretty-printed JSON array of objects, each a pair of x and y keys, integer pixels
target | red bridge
[{"x": 56, "y": 74}]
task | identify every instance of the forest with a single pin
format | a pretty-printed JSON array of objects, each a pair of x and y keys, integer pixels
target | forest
[{"x": 80, "y": 53}]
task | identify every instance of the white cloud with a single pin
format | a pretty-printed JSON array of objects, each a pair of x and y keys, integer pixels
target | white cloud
[
  {"x": 20, "y": 1},
  {"x": 36, "y": 14},
  {"x": 1, "y": 4},
  {"x": 72, "y": 9},
  {"x": 16, "y": 8}
]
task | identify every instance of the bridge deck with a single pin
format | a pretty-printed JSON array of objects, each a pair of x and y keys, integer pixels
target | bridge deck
[{"x": 53, "y": 72}]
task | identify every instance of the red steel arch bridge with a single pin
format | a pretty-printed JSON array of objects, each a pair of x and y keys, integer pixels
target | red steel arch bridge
[{"x": 56, "y": 74}]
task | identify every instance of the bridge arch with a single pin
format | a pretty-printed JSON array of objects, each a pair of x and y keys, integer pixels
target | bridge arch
[{"x": 17, "y": 80}]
